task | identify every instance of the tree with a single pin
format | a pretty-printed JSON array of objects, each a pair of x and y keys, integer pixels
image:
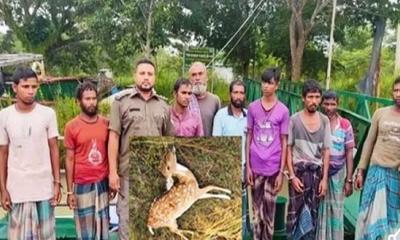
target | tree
[
  {"x": 49, "y": 27},
  {"x": 7, "y": 42},
  {"x": 213, "y": 23},
  {"x": 125, "y": 29},
  {"x": 377, "y": 13},
  {"x": 305, "y": 15}
]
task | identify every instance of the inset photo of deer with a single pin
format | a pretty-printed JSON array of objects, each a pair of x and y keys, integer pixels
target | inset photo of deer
[{"x": 185, "y": 188}]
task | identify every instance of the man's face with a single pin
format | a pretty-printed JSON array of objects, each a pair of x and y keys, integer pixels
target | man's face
[
  {"x": 311, "y": 101},
  {"x": 183, "y": 95},
  {"x": 269, "y": 88},
  {"x": 145, "y": 77},
  {"x": 396, "y": 94},
  {"x": 26, "y": 90},
  {"x": 88, "y": 103},
  {"x": 238, "y": 96},
  {"x": 329, "y": 107},
  {"x": 198, "y": 77}
]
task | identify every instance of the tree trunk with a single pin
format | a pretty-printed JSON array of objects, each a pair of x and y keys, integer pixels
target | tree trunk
[
  {"x": 297, "y": 44},
  {"x": 370, "y": 82},
  {"x": 147, "y": 48},
  {"x": 246, "y": 65}
]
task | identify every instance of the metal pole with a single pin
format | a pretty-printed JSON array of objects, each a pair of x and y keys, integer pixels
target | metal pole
[
  {"x": 331, "y": 42},
  {"x": 213, "y": 67},
  {"x": 397, "y": 60},
  {"x": 183, "y": 62}
]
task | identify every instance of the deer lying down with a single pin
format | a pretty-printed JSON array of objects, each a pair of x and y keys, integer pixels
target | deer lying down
[{"x": 179, "y": 197}]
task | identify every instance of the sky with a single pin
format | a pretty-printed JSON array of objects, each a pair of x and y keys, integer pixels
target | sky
[{"x": 3, "y": 28}]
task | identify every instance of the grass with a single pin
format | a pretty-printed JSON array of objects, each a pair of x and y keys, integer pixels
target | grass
[{"x": 212, "y": 160}]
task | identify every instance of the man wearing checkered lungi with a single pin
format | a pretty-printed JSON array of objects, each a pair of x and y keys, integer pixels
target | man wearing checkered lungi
[
  {"x": 379, "y": 211},
  {"x": 308, "y": 163},
  {"x": 29, "y": 163},
  {"x": 85, "y": 140},
  {"x": 267, "y": 126}
]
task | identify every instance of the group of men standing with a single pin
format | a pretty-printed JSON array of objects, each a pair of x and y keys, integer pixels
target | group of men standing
[
  {"x": 315, "y": 148},
  {"x": 317, "y": 151},
  {"x": 97, "y": 149}
]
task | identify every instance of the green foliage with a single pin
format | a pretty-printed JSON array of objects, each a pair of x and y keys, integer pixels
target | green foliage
[
  {"x": 220, "y": 88},
  {"x": 66, "y": 109},
  {"x": 357, "y": 13},
  {"x": 214, "y": 22},
  {"x": 52, "y": 28},
  {"x": 7, "y": 42},
  {"x": 120, "y": 28},
  {"x": 75, "y": 60},
  {"x": 351, "y": 60},
  {"x": 169, "y": 69}
]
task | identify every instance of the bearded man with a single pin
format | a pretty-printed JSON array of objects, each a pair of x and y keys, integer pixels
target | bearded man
[
  {"x": 204, "y": 103},
  {"x": 85, "y": 141},
  {"x": 137, "y": 111}
]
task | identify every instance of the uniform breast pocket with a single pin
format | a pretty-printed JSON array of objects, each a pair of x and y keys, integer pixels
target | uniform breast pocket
[{"x": 133, "y": 115}]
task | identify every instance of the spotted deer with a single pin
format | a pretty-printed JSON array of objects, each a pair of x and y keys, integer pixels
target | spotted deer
[{"x": 179, "y": 197}]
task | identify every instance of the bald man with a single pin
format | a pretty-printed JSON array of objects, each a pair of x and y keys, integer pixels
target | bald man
[{"x": 207, "y": 103}]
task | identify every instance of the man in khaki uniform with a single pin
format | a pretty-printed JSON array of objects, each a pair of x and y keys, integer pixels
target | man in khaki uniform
[{"x": 137, "y": 111}]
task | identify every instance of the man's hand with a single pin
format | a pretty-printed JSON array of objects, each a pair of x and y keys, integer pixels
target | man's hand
[
  {"x": 57, "y": 195},
  {"x": 347, "y": 188},
  {"x": 323, "y": 188},
  {"x": 249, "y": 176},
  {"x": 297, "y": 184},
  {"x": 114, "y": 182},
  {"x": 111, "y": 194},
  {"x": 5, "y": 200},
  {"x": 359, "y": 183},
  {"x": 278, "y": 183},
  {"x": 71, "y": 201}
]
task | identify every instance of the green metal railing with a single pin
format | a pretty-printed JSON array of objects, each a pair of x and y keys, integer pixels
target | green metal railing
[{"x": 358, "y": 108}]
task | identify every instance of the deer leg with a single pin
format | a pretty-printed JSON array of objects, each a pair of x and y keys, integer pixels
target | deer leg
[
  {"x": 173, "y": 227},
  {"x": 215, "y": 188},
  {"x": 210, "y": 195}
]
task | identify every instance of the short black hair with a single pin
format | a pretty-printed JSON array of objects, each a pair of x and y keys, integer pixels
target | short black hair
[
  {"x": 87, "y": 85},
  {"x": 179, "y": 82},
  {"x": 271, "y": 74},
  {"x": 237, "y": 83},
  {"x": 330, "y": 95},
  {"x": 396, "y": 81},
  {"x": 311, "y": 86},
  {"x": 144, "y": 61},
  {"x": 24, "y": 74}
]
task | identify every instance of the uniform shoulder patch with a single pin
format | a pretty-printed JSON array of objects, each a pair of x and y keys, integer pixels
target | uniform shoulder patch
[
  {"x": 162, "y": 98},
  {"x": 122, "y": 94}
]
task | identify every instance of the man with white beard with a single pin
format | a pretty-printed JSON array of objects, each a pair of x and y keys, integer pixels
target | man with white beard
[{"x": 207, "y": 103}]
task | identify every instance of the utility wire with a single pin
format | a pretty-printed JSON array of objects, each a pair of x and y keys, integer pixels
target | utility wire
[
  {"x": 241, "y": 36},
  {"x": 234, "y": 35}
]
